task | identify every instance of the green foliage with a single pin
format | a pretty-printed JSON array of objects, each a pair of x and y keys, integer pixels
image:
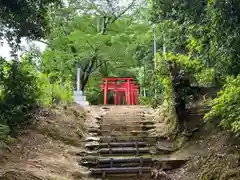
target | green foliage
[
  {"x": 203, "y": 37},
  {"x": 22, "y": 90},
  {"x": 226, "y": 106},
  {"x": 24, "y": 18},
  {"x": 210, "y": 30},
  {"x": 52, "y": 92},
  {"x": 4, "y": 131},
  {"x": 190, "y": 68},
  {"x": 145, "y": 100},
  {"x": 205, "y": 77},
  {"x": 80, "y": 41},
  {"x": 19, "y": 94}
]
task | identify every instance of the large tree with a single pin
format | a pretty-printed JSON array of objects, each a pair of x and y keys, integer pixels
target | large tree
[
  {"x": 92, "y": 35},
  {"x": 24, "y": 18},
  {"x": 211, "y": 28}
]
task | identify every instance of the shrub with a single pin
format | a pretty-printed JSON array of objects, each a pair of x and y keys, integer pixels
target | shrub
[
  {"x": 226, "y": 107},
  {"x": 4, "y": 131},
  {"x": 53, "y": 93},
  {"x": 19, "y": 94}
]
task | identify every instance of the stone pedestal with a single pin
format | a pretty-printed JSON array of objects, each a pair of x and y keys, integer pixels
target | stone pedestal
[{"x": 80, "y": 99}]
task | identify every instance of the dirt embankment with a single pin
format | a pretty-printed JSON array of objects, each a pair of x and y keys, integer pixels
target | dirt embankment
[
  {"x": 212, "y": 153},
  {"x": 48, "y": 149},
  {"x": 215, "y": 156}
]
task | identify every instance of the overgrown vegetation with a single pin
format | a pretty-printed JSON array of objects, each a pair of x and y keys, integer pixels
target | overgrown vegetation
[
  {"x": 225, "y": 108},
  {"x": 206, "y": 33},
  {"x": 19, "y": 94},
  {"x": 197, "y": 47}
]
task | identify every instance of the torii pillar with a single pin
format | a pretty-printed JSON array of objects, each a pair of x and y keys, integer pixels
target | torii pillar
[{"x": 105, "y": 91}]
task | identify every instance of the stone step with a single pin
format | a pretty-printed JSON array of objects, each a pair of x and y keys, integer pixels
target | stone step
[
  {"x": 165, "y": 162},
  {"x": 127, "y": 138},
  {"x": 117, "y": 162},
  {"x": 120, "y": 151},
  {"x": 122, "y": 165},
  {"x": 122, "y": 138},
  {"x": 118, "y": 135},
  {"x": 115, "y": 144},
  {"x": 126, "y": 126},
  {"x": 129, "y": 170},
  {"x": 124, "y": 118},
  {"x": 120, "y": 132},
  {"x": 103, "y": 160},
  {"x": 94, "y": 130},
  {"x": 127, "y": 132},
  {"x": 92, "y": 139}
]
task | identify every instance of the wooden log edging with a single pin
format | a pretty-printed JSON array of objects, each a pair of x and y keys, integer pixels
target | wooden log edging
[
  {"x": 124, "y": 150},
  {"x": 116, "y": 144},
  {"x": 132, "y": 170},
  {"x": 117, "y": 162}
]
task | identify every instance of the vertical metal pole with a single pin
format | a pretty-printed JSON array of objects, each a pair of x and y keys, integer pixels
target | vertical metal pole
[
  {"x": 52, "y": 93},
  {"x": 164, "y": 49},
  {"x": 155, "y": 59},
  {"x": 78, "y": 79},
  {"x": 144, "y": 80},
  {"x": 154, "y": 47}
]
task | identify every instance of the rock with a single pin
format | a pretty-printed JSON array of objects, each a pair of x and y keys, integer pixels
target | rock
[
  {"x": 88, "y": 139},
  {"x": 92, "y": 153},
  {"x": 169, "y": 163},
  {"x": 96, "y": 126},
  {"x": 147, "y": 122},
  {"x": 88, "y": 159},
  {"x": 81, "y": 153},
  {"x": 166, "y": 147},
  {"x": 93, "y": 134},
  {"x": 105, "y": 108},
  {"x": 92, "y": 144},
  {"x": 93, "y": 130},
  {"x": 80, "y": 133},
  {"x": 187, "y": 133},
  {"x": 159, "y": 174},
  {"x": 98, "y": 118},
  {"x": 153, "y": 133}
]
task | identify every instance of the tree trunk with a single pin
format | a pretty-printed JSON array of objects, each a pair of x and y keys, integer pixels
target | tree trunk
[
  {"x": 180, "y": 85},
  {"x": 87, "y": 72}
]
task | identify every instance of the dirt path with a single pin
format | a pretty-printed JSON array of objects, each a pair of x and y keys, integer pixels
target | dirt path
[
  {"x": 50, "y": 149},
  {"x": 47, "y": 150}
]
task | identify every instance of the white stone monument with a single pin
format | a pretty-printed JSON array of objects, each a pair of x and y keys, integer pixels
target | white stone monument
[{"x": 78, "y": 96}]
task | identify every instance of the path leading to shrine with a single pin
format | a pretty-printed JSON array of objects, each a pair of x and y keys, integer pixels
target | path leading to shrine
[
  {"x": 122, "y": 140},
  {"x": 110, "y": 142}
]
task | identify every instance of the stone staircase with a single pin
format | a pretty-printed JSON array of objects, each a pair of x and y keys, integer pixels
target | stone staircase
[{"x": 121, "y": 141}]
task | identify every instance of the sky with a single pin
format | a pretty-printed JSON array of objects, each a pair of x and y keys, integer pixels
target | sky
[{"x": 5, "y": 49}]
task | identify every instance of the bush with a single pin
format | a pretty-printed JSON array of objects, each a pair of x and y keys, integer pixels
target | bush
[
  {"x": 226, "y": 107},
  {"x": 4, "y": 131},
  {"x": 52, "y": 93},
  {"x": 19, "y": 94},
  {"x": 145, "y": 100}
]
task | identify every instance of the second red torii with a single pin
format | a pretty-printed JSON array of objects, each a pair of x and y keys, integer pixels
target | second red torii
[{"x": 121, "y": 89}]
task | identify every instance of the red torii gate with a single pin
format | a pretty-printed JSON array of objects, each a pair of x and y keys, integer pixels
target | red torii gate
[{"x": 121, "y": 89}]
